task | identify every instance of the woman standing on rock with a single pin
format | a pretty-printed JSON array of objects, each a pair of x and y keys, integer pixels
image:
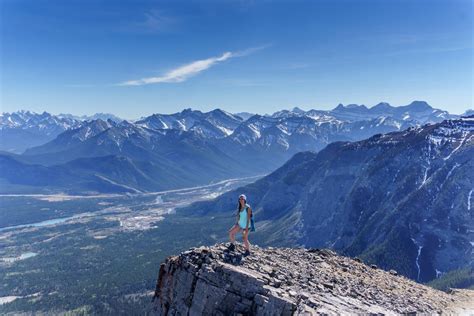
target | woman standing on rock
[{"x": 244, "y": 214}]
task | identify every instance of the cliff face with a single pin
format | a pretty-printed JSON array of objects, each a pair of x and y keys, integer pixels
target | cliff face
[{"x": 286, "y": 281}]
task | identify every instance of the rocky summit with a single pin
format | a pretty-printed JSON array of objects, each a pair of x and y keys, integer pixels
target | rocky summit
[{"x": 292, "y": 281}]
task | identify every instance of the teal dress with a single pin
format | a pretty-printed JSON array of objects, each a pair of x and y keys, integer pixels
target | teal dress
[{"x": 243, "y": 217}]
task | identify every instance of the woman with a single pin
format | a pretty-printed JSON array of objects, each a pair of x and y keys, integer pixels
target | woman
[{"x": 244, "y": 212}]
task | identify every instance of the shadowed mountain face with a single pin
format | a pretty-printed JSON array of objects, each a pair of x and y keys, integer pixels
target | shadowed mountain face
[
  {"x": 131, "y": 157},
  {"x": 33, "y": 178},
  {"x": 401, "y": 200}
]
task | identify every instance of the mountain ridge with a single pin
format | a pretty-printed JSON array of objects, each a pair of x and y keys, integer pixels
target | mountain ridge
[
  {"x": 224, "y": 143},
  {"x": 36, "y": 129}
]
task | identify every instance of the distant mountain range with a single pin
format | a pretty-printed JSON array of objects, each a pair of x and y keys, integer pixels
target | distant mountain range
[
  {"x": 213, "y": 124},
  {"x": 418, "y": 111},
  {"x": 468, "y": 113},
  {"x": 96, "y": 116},
  {"x": 403, "y": 200},
  {"x": 190, "y": 147},
  {"x": 24, "y": 129},
  {"x": 129, "y": 156}
]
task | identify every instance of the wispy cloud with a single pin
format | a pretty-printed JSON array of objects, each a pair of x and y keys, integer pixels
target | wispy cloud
[
  {"x": 297, "y": 66},
  {"x": 79, "y": 85},
  {"x": 429, "y": 50},
  {"x": 250, "y": 50},
  {"x": 156, "y": 21},
  {"x": 184, "y": 72}
]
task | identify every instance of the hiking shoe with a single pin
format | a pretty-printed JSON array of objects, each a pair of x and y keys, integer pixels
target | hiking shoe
[
  {"x": 231, "y": 247},
  {"x": 246, "y": 253}
]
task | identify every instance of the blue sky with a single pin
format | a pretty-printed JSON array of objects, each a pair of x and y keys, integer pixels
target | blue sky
[{"x": 134, "y": 58}]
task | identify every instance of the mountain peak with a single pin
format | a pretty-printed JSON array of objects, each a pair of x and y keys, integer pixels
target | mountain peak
[
  {"x": 355, "y": 106},
  {"x": 382, "y": 106},
  {"x": 339, "y": 107},
  {"x": 468, "y": 112},
  {"x": 297, "y": 110},
  {"x": 351, "y": 106},
  {"x": 100, "y": 123},
  {"x": 24, "y": 112},
  {"x": 217, "y": 110},
  {"x": 220, "y": 112},
  {"x": 281, "y": 281},
  {"x": 244, "y": 115},
  {"x": 419, "y": 106}
]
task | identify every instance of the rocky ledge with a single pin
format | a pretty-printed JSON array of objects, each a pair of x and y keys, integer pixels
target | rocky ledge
[{"x": 288, "y": 281}]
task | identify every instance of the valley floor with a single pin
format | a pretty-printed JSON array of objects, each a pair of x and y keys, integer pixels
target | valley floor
[{"x": 97, "y": 254}]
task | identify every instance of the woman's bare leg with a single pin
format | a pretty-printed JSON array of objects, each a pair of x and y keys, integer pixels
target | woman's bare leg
[
  {"x": 234, "y": 230},
  {"x": 246, "y": 240}
]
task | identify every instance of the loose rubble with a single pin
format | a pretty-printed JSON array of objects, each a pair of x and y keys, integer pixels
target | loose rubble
[{"x": 288, "y": 281}]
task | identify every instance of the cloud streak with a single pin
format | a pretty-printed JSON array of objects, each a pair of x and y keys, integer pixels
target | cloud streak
[
  {"x": 187, "y": 71},
  {"x": 156, "y": 21}
]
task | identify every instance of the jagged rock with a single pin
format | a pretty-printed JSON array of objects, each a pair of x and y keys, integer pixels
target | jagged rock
[{"x": 215, "y": 281}]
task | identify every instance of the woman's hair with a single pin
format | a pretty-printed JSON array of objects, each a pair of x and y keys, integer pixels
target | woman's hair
[{"x": 239, "y": 207}]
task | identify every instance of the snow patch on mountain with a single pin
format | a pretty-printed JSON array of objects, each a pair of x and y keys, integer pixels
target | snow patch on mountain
[{"x": 469, "y": 200}]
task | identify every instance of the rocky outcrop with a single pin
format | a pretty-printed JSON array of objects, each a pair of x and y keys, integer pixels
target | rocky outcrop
[{"x": 286, "y": 281}]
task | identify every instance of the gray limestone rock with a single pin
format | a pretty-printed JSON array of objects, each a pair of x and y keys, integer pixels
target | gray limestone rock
[{"x": 212, "y": 281}]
